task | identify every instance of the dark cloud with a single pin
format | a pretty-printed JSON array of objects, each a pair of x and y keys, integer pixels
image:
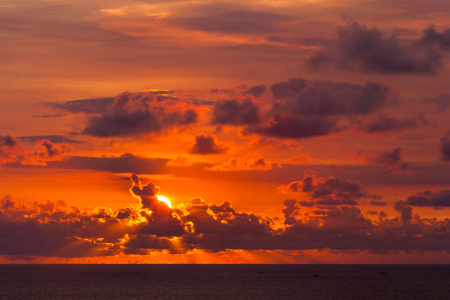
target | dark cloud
[
  {"x": 138, "y": 244},
  {"x": 359, "y": 47},
  {"x": 342, "y": 228},
  {"x": 415, "y": 137},
  {"x": 52, "y": 151},
  {"x": 219, "y": 227},
  {"x": 292, "y": 127},
  {"x": 146, "y": 193},
  {"x": 263, "y": 142},
  {"x": 85, "y": 106},
  {"x": 10, "y": 150},
  {"x": 445, "y": 148},
  {"x": 327, "y": 191},
  {"x": 98, "y": 106},
  {"x": 51, "y": 229},
  {"x": 441, "y": 101},
  {"x": 126, "y": 163},
  {"x": 8, "y": 202},
  {"x": 431, "y": 36},
  {"x": 404, "y": 210},
  {"x": 291, "y": 211},
  {"x": 59, "y": 139},
  {"x": 429, "y": 198},
  {"x": 256, "y": 90},
  {"x": 250, "y": 162},
  {"x": 238, "y": 111},
  {"x": 130, "y": 114},
  {"x": 160, "y": 218},
  {"x": 303, "y": 109},
  {"x": 389, "y": 158},
  {"x": 384, "y": 123},
  {"x": 137, "y": 114},
  {"x": 307, "y": 98},
  {"x": 206, "y": 144},
  {"x": 288, "y": 88}
]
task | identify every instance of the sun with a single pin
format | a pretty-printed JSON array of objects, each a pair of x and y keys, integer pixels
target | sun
[{"x": 165, "y": 200}]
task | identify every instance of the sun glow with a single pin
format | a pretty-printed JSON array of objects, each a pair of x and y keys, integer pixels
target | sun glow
[{"x": 165, "y": 200}]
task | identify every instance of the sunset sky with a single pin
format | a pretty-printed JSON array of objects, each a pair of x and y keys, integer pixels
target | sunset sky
[{"x": 278, "y": 131}]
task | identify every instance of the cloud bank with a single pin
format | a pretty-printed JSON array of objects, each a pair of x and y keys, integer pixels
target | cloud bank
[{"x": 52, "y": 229}]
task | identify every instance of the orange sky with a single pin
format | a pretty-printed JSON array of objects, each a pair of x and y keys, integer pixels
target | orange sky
[{"x": 280, "y": 131}]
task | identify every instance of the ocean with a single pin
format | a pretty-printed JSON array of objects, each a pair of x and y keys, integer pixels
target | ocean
[{"x": 224, "y": 282}]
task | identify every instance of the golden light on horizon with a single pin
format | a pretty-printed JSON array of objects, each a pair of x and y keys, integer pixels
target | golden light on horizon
[{"x": 165, "y": 200}]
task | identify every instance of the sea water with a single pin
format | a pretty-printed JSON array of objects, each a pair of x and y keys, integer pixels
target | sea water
[{"x": 224, "y": 282}]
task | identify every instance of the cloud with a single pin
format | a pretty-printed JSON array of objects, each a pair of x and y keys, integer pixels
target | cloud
[
  {"x": 131, "y": 114},
  {"x": 58, "y": 139},
  {"x": 291, "y": 210},
  {"x": 327, "y": 191},
  {"x": 298, "y": 108},
  {"x": 256, "y": 90},
  {"x": 361, "y": 48},
  {"x": 445, "y": 148},
  {"x": 302, "y": 109},
  {"x": 52, "y": 229},
  {"x": 96, "y": 106},
  {"x": 265, "y": 142},
  {"x": 404, "y": 210},
  {"x": 292, "y": 127},
  {"x": 146, "y": 193},
  {"x": 137, "y": 114},
  {"x": 383, "y": 123},
  {"x": 389, "y": 158},
  {"x": 125, "y": 163},
  {"x": 346, "y": 228},
  {"x": 431, "y": 36},
  {"x": 239, "y": 111},
  {"x": 428, "y": 198},
  {"x": 323, "y": 98},
  {"x": 51, "y": 151},
  {"x": 288, "y": 88},
  {"x": 8, "y": 202},
  {"x": 251, "y": 162},
  {"x": 206, "y": 144},
  {"x": 85, "y": 106},
  {"x": 301, "y": 159},
  {"x": 441, "y": 101},
  {"x": 12, "y": 152},
  {"x": 161, "y": 220},
  {"x": 218, "y": 227}
]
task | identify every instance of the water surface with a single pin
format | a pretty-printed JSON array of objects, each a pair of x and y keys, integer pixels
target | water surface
[{"x": 224, "y": 282}]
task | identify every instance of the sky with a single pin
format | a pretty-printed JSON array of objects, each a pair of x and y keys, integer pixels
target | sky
[{"x": 208, "y": 131}]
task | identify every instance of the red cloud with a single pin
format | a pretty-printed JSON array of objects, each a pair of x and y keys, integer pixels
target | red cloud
[{"x": 12, "y": 152}]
